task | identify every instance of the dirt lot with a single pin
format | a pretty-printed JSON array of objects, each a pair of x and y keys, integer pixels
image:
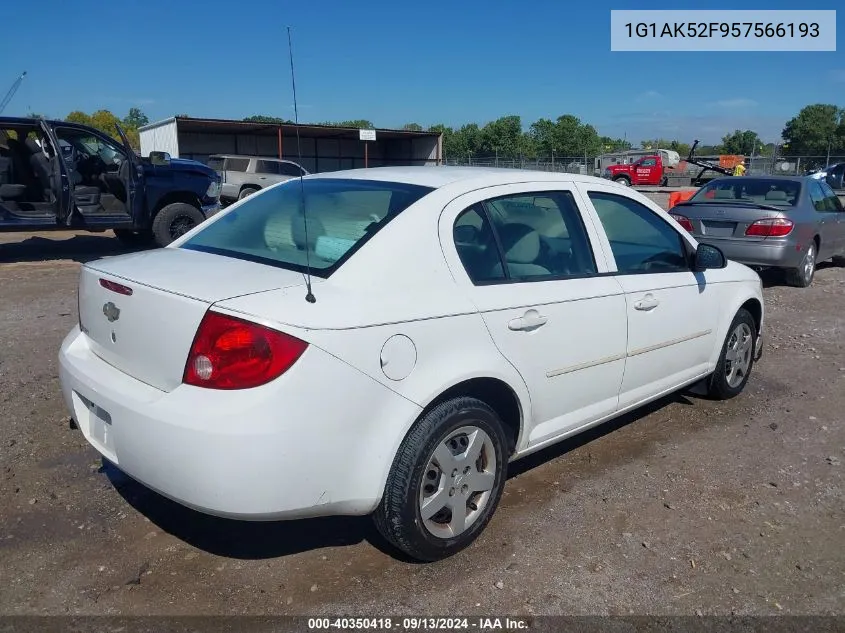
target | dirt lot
[{"x": 689, "y": 507}]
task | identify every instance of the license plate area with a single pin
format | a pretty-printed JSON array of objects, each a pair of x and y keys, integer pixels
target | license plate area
[
  {"x": 715, "y": 228},
  {"x": 95, "y": 424}
]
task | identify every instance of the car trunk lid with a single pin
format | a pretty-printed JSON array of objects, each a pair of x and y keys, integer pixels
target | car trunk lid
[
  {"x": 140, "y": 312},
  {"x": 727, "y": 221}
]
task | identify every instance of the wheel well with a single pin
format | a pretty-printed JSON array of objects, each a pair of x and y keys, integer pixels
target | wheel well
[
  {"x": 177, "y": 196},
  {"x": 622, "y": 177},
  {"x": 495, "y": 393},
  {"x": 756, "y": 310}
]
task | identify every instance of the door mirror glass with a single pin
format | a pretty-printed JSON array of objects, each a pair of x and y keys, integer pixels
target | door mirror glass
[
  {"x": 708, "y": 257},
  {"x": 159, "y": 158}
]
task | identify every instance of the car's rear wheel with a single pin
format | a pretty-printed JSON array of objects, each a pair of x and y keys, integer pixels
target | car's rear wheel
[
  {"x": 246, "y": 191},
  {"x": 736, "y": 360},
  {"x": 174, "y": 221},
  {"x": 446, "y": 480},
  {"x": 802, "y": 276}
]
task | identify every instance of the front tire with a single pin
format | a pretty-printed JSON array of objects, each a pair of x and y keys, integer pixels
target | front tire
[
  {"x": 175, "y": 220},
  {"x": 736, "y": 360},
  {"x": 802, "y": 276},
  {"x": 446, "y": 480},
  {"x": 623, "y": 180}
]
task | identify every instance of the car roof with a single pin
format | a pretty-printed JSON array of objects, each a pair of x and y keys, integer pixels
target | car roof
[
  {"x": 436, "y": 177},
  {"x": 776, "y": 177}
]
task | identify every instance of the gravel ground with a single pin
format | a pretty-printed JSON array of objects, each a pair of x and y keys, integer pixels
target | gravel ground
[{"x": 689, "y": 507}]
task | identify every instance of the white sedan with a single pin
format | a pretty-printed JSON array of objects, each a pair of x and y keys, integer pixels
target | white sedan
[{"x": 391, "y": 354}]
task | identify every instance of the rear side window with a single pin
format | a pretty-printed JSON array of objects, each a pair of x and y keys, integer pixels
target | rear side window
[
  {"x": 641, "y": 241},
  {"x": 217, "y": 163},
  {"x": 817, "y": 197},
  {"x": 267, "y": 167},
  {"x": 529, "y": 237},
  {"x": 270, "y": 227},
  {"x": 237, "y": 164},
  {"x": 287, "y": 169}
]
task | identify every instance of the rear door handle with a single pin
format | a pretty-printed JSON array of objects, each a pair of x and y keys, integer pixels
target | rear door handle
[
  {"x": 646, "y": 303},
  {"x": 531, "y": 320}
]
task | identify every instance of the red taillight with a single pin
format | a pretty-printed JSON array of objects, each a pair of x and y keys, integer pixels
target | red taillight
[
  {"x": 230, "y": 353},
  {"x": 116, "y": 287},
  {"x": 683, "y": 221},
  {"x": 770, "y": 227}
]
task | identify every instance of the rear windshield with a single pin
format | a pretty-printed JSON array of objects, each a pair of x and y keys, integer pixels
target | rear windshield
[
  {"x": 216, "y": 162},
  {"x": 768, "y": 191},
  {"x": 269, "y": 227}
]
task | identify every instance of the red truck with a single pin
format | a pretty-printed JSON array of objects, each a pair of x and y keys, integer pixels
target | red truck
[{"x": 648, "y": 170}]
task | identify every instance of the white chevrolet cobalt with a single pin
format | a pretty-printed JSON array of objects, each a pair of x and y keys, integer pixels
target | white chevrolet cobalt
[{"x": 385, "y": 341}]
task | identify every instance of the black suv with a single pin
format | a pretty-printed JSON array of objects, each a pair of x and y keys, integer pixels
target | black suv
[{"x": 55, "y": 174}]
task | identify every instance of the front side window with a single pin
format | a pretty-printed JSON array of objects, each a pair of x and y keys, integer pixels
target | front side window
[
  {"x": 648, "y": 162},
  {"x": 270, "y": 227},
  {"x": 641, "y": 241},
  {"x": 526, "y": 237},
  {"x": 237, "y": 164},
  {"x": 91, "y": 145}
]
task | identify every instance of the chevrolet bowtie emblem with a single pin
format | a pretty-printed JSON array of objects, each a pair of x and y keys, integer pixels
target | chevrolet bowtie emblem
[{"x": 111, "y": 311}]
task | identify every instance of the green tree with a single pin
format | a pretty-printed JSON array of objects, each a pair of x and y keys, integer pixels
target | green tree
[
  {"x": 816, "y": 128},
  {"x": 78, "y": 116},
  {"x": 412, "y": 127},
  {"x": 502, "y": 137},
  {"x": 741, "y": 142},
  {"x": 135, "y": 119},
  {"x": 263, "y": 118},
  {"x": 357, "y": 123}
]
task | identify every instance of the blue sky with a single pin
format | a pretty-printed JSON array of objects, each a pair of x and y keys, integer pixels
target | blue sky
[{"x": 395, "y": 62}]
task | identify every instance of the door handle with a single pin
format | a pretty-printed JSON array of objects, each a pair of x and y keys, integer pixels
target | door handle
[
  {"x": 531, "y": 320},
  {"x": 646, "y": 303}
]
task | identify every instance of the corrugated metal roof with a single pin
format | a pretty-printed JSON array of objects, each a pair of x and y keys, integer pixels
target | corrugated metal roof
[{"x": 231, "y": 126}]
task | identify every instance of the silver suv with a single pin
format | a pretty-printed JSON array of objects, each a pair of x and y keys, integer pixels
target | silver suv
[{"x": 244, "y": 175}]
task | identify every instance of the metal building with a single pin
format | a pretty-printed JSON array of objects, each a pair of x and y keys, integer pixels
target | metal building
[{"x": 323, "y": 147}]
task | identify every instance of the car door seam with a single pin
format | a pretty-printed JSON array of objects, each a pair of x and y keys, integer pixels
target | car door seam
[{"x": 586, "y": 365}]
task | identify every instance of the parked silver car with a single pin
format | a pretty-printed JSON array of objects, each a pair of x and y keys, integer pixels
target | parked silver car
[
  {"x": 769, "y": 221},
  {"x": 244, "y": 175}
]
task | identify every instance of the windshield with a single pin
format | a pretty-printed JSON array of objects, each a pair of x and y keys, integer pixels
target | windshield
[
  {"x": 768, "y": 191},
  {"x": 269, "y": 227}
]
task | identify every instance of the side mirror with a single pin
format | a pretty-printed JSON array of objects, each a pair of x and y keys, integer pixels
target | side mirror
[
  {"x": 709, "y": 257},
  {"x": 159, "y": 158}
]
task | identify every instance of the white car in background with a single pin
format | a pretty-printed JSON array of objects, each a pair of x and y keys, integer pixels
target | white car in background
[{"x": 458, "y": 319}]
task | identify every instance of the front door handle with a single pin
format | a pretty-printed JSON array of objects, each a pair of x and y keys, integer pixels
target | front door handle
[
  {"x": 646, "y": 303},
  {"x": 531, "y": 320}
]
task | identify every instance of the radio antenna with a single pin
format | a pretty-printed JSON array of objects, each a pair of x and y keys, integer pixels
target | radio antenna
[{"x": 309, "y": 296}]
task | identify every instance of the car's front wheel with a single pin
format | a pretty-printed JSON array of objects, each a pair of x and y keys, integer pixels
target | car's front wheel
[
  {"x": 174, "y": 221},
  {"x": 446, "y": 480},
  {"x": 736, "y": 360}
]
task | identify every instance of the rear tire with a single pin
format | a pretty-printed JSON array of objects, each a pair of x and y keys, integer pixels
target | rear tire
[
  {"x": 246, "y": 191},
  {"x": 802, "y": 276},
  {"x": 175, "y": 220},
  {"x": 736, "y": 360},
  {"x": 446, "y": 480}
]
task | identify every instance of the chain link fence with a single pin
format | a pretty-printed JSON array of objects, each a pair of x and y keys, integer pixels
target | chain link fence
[{"x": 590, "y": 165}]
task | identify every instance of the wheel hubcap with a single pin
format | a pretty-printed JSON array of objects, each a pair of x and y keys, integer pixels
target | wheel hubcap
[
  {"x": 181, "y": 225},
  {"x": 809, "y": 263},
  {"x": 457, "y": 482},
  {"x": 738, "y": 354}
]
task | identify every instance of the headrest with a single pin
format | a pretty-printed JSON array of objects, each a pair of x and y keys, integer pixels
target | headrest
[
  {"x": 776, "y": 194},
  {"x": 725, "y": 193},
  {"x": 520, "y": 242},
  {"x": 31, "y": 145}
]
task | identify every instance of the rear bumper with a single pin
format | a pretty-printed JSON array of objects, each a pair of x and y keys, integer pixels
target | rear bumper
[
  {"x": 783, "y": 254},
  {"x": 283, "y": 450}
]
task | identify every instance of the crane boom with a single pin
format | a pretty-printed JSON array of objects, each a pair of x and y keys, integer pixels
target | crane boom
[{"x": 11, "y": 92}]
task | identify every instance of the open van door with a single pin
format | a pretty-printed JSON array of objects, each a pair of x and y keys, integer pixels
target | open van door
[
  {"x": 59, "y": 177},
  {"x": 132, "y": 174}
]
